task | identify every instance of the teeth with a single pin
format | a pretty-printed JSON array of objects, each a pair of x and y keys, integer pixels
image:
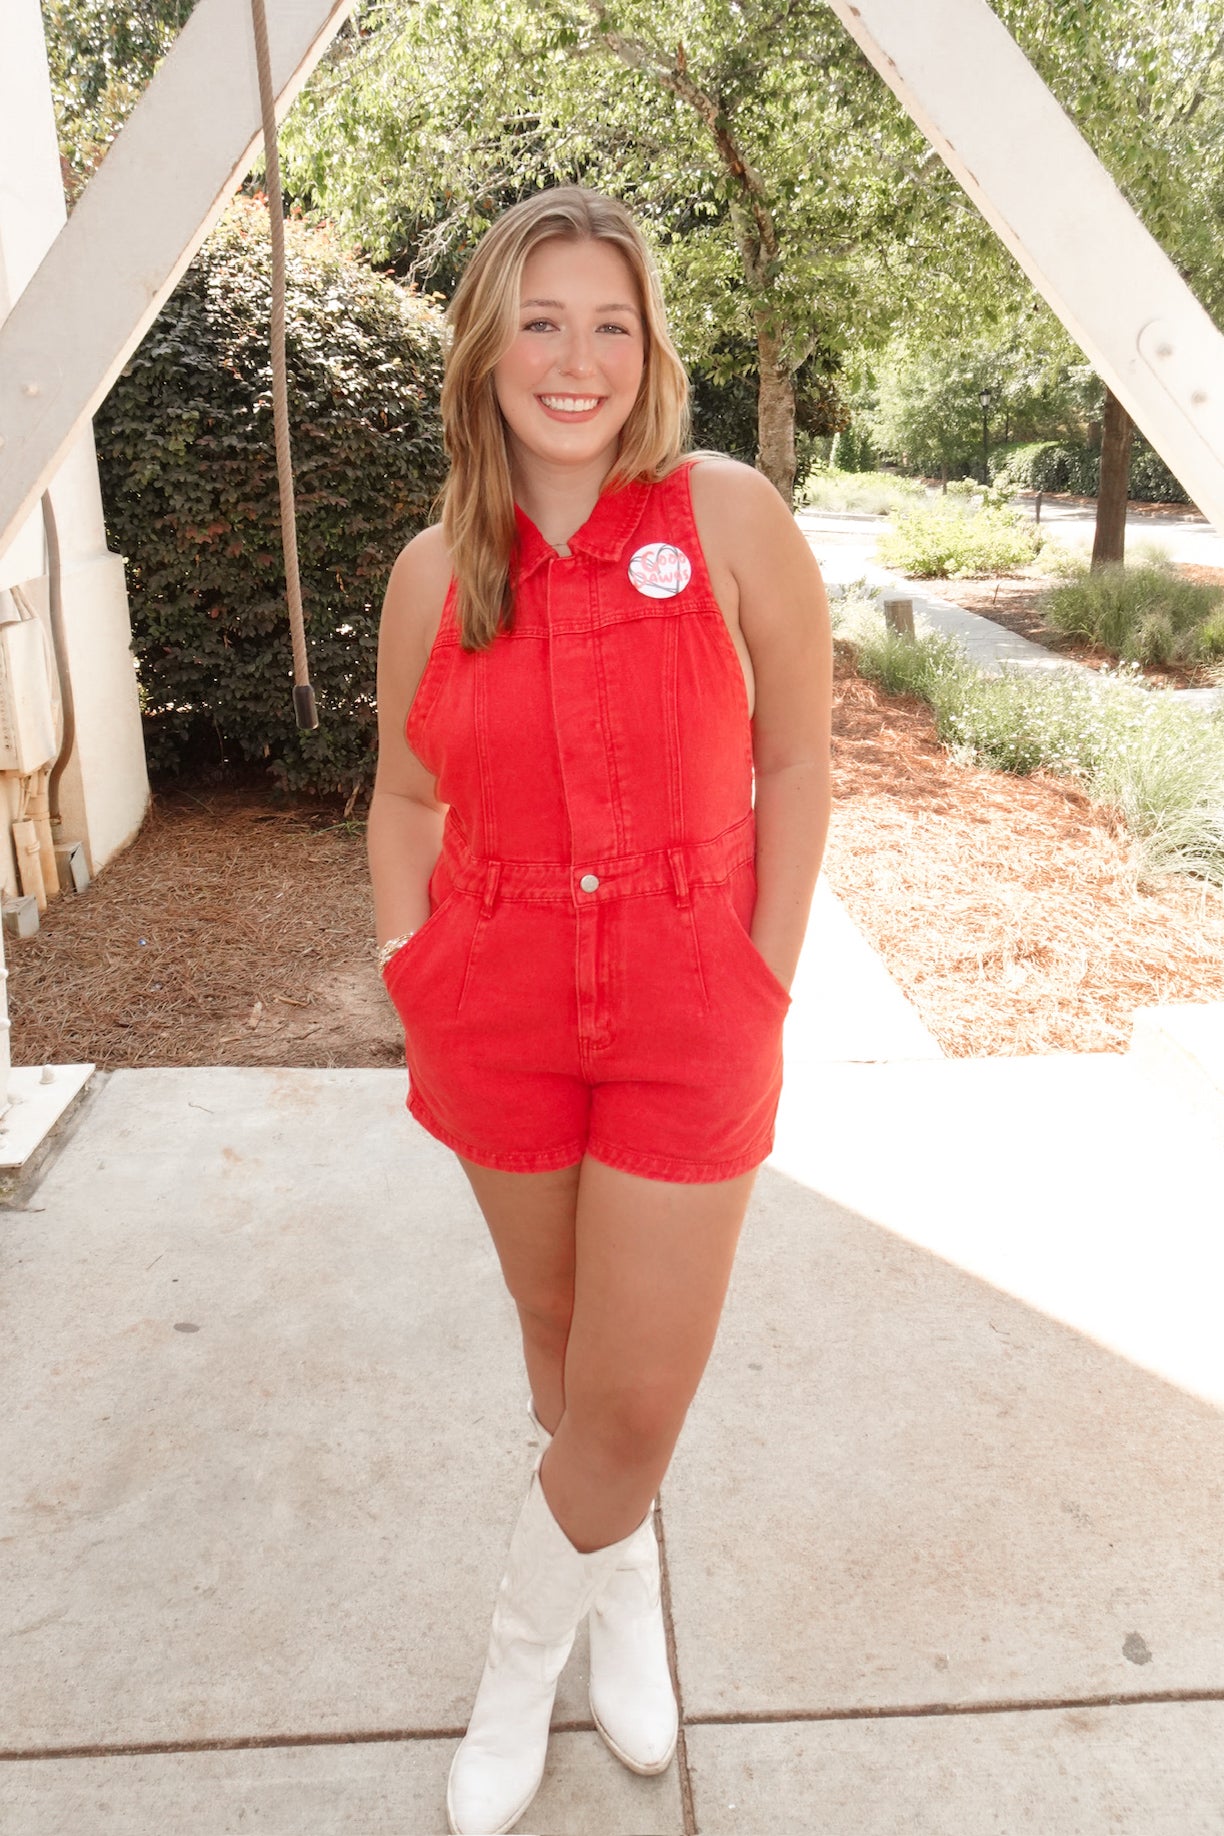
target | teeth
[{"x": 568, "y": 404}]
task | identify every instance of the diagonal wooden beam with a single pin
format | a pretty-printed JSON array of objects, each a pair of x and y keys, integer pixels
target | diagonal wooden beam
[
  {"x": 965, "y": 82},
  {"x": 164, "y": 182}
]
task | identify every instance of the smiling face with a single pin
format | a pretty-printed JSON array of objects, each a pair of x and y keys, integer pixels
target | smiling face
[{"x": 568, "y": 380}]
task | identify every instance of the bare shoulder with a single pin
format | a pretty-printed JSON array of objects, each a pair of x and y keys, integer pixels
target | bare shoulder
[
  {"x": 417, "y": 589},
  {"x": 731, "y": 489},
  {"x": 740, "y": 514}
]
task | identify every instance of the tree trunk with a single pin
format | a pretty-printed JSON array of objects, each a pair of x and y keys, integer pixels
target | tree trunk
[
  {"x": 775, "y": 415},
  {"x": 1117, "y": 433}
]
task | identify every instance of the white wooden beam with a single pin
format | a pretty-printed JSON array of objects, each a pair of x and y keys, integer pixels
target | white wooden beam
[
  {"x": 164, "y": 182},
  {"x": 966, "y": 83}
]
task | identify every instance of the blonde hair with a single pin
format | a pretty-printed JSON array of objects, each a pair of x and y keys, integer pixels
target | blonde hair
[{"x": 477, "y": 500}]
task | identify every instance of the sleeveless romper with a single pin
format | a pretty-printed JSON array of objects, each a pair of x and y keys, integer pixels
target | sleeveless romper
[{"x": 586, "y": 981}]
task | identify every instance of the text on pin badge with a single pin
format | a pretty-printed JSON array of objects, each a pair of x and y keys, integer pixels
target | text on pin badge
[{"x": 660, "y": 570}]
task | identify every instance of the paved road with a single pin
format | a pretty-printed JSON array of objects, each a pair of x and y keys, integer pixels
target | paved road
[
  {"x": 1188, "y": 538},
  {"x": 1185, "y": 538}
]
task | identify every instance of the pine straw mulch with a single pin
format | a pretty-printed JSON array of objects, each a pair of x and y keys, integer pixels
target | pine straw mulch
[
  {"x": 1010, "y": 909},
  {"x": 1014, "y": 601},
  {"x": 233, "y": 931},
  {"x": 237, "y": 931}
]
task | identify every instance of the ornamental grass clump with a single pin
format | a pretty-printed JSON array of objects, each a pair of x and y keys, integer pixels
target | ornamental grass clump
[
  {"x": 1157, "y": 761},
  {"x": 933, "y": 667},
  {"x": 1148, "y": 614},
  {"x": 867, "y": 493},
  {"x": 1163, "y": 771}
]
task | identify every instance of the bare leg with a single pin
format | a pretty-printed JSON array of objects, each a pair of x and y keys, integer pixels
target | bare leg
[
  {"x": 653, "y": 1260},
  {"x": 531, "y": 1220}
]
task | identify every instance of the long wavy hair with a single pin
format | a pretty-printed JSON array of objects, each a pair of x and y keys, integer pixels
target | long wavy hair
[{"x": 477, "y": 498}]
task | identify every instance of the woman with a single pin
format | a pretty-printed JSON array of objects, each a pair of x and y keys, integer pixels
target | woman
[{"x": 588, "y": 933}]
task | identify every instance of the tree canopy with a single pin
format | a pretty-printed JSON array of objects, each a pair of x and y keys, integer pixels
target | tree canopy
[{"x": 772, "y": 170}]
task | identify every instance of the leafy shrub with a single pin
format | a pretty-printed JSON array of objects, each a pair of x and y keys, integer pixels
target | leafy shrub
[
  {"x": 1151, "y": 481},
  {"x": 724, "y": 406},
  {"x": 189, "y": 483},
  {"x": 1146, "y": 614},
  {"x": 944, "y": 545},
  {"x": 1023, "y": 720}
]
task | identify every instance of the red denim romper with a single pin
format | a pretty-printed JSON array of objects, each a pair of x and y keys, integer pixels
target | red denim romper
[{"x": 586, "y": 981}]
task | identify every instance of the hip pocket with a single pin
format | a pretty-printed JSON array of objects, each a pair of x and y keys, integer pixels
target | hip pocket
[
  {"x": 401, "y": 975},
  {"x": 731, "y": 907}
]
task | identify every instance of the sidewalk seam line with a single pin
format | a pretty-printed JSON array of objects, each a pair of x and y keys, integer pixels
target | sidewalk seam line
[
  {"x": 744, "y": 1718},
  {"x": 687, "y": 1809},
  {"x": 915, "y": 1711}
]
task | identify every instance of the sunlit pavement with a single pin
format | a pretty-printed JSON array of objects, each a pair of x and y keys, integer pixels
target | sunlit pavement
[{"x": 941, "y": 1536}]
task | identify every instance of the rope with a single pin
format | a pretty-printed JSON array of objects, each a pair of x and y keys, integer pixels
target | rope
[{"x": 303, "y": 693}]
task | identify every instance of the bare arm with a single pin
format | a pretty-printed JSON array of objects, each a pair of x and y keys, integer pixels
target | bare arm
[
  {"x": 783, "y": 613},
  {"x": 404, "y": 831}
]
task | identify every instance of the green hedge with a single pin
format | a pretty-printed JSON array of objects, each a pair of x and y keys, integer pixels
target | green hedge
[
  {"x": 1054, "y": 465},
  {"x": 188, "y": 470}
]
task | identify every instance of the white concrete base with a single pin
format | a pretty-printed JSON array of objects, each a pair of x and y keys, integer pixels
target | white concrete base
[
  {"x": 379, "y": 1787},
  {"x": 1182, "y": 1043},
  {"x": 266, "y": 1440},
  {"x": 38, "y": 1096}
]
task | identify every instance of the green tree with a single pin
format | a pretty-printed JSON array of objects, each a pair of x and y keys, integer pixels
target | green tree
[
  {"x": 927, "y": 410},
  {"x": 1143, "y": 85},
  {"x": 756, "y": 144},
  {"x": 101, "y": 54}
]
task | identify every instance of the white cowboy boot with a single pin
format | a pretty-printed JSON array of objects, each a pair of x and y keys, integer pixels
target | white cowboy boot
[
  {"x": 632, "y": 1701},
  {"x": 547, "y": 1587}
]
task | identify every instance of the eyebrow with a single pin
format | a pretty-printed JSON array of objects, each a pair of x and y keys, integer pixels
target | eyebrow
[{"x": 559, "y": 305}]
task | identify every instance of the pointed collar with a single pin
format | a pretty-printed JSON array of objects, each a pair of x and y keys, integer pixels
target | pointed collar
[{"x": 603, "y": 536}]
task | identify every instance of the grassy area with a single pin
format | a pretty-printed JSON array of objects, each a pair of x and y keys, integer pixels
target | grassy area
[
  {"x": 1159, "y": 763},
  {"x": 868, "y": 493}
]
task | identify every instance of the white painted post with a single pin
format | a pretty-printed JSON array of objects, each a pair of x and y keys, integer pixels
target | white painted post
[
  {"x": 103, "y": 791},
  {"x": 966, "y": 83},
  {"x": 164, "y": 182}
]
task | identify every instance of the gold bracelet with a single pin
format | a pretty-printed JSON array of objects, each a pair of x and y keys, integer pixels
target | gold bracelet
[{"x": 387, "y": 951}]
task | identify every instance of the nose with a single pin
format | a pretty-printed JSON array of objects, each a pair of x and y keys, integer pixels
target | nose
[{"x": 578, "y": 358}]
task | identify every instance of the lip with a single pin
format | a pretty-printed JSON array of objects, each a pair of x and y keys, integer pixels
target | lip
[{"x": 570, "y": 418}]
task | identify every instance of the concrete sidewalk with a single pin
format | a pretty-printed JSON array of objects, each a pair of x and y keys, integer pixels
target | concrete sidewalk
[
  {"x": 845, "y": 547},
  {"x": 942, "y": 1535}
]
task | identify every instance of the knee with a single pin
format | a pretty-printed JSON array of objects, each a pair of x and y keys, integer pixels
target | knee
[
  {"x": 632, "y": 1428},
  {"x": 546, "y": 1316}
]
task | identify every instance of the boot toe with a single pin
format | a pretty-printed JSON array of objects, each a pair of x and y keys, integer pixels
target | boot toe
[
  {"x": 642, "y": 1732},
  {"x": 486, "y": 1796}
]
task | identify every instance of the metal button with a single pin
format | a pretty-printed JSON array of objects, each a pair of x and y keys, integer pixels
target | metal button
[{"x": 589, "y": 882}]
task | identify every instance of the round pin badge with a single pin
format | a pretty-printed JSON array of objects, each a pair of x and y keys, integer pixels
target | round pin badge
[{"x": 660, "y": 570}]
